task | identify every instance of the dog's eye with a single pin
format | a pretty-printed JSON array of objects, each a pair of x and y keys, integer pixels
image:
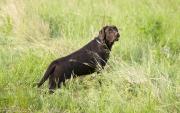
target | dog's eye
[{"x": 110, "y": 30}]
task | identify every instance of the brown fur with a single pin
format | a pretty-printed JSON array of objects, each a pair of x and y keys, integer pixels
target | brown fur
[{"x": 90, "y": 58}]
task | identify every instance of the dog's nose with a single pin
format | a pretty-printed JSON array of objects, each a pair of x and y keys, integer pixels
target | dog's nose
[{"x": 118, "y": 35}]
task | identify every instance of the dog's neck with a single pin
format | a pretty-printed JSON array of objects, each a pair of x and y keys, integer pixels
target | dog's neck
[
  {"x": 104, "y": 43},
  {"x": 98, "y": 41},
  {"x": 109, "y": 44}
]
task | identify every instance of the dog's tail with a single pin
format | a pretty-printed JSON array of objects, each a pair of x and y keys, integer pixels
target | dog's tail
[{"x": 48, "y": 72}]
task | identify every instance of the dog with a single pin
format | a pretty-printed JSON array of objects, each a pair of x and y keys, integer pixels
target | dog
[{"x": 87, "y": 60}]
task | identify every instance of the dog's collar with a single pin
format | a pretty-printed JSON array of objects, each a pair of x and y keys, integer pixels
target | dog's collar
[{"x": 98, "y": 41}]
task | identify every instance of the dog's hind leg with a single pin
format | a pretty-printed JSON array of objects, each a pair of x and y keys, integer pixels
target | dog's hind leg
[
  {"x": 52, "y": 83},
  {"x": 54, "y": 79},
  {"x": 61, "y": 80}
]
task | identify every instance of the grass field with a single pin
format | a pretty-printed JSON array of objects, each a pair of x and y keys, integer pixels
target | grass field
[{"x": 142, "y": 75}]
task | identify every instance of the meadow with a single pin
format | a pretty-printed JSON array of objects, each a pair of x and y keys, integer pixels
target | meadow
[{"x": 142, "y": 74}]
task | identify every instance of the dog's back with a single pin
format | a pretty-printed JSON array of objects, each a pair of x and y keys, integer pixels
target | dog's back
[{"x": 85, "y": 60}]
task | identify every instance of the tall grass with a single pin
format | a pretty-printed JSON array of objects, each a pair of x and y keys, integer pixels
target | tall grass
[{"x": 142, "y": 75}]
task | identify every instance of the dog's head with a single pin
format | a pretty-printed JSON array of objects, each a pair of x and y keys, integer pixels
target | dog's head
[{"x": 108, "y": 35}]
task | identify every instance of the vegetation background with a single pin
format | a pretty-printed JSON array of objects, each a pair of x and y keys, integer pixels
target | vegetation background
[{"x": 142, "y": 75}]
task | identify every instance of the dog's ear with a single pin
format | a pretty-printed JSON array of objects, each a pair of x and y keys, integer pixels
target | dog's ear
[{"x": 102, "y": 33}]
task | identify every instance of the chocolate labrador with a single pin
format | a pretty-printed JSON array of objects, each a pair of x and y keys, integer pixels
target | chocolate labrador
[{"x": 90, "y": 58}]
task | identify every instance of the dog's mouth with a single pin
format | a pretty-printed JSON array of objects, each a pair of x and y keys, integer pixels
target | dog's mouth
[{"x": 117, "y": 37}]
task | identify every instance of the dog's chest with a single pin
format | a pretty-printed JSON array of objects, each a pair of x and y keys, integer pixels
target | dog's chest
[{"x": 104, "y": 52}]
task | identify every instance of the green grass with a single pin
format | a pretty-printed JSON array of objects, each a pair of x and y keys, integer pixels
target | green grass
[{"x": 142, "y": 75}]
